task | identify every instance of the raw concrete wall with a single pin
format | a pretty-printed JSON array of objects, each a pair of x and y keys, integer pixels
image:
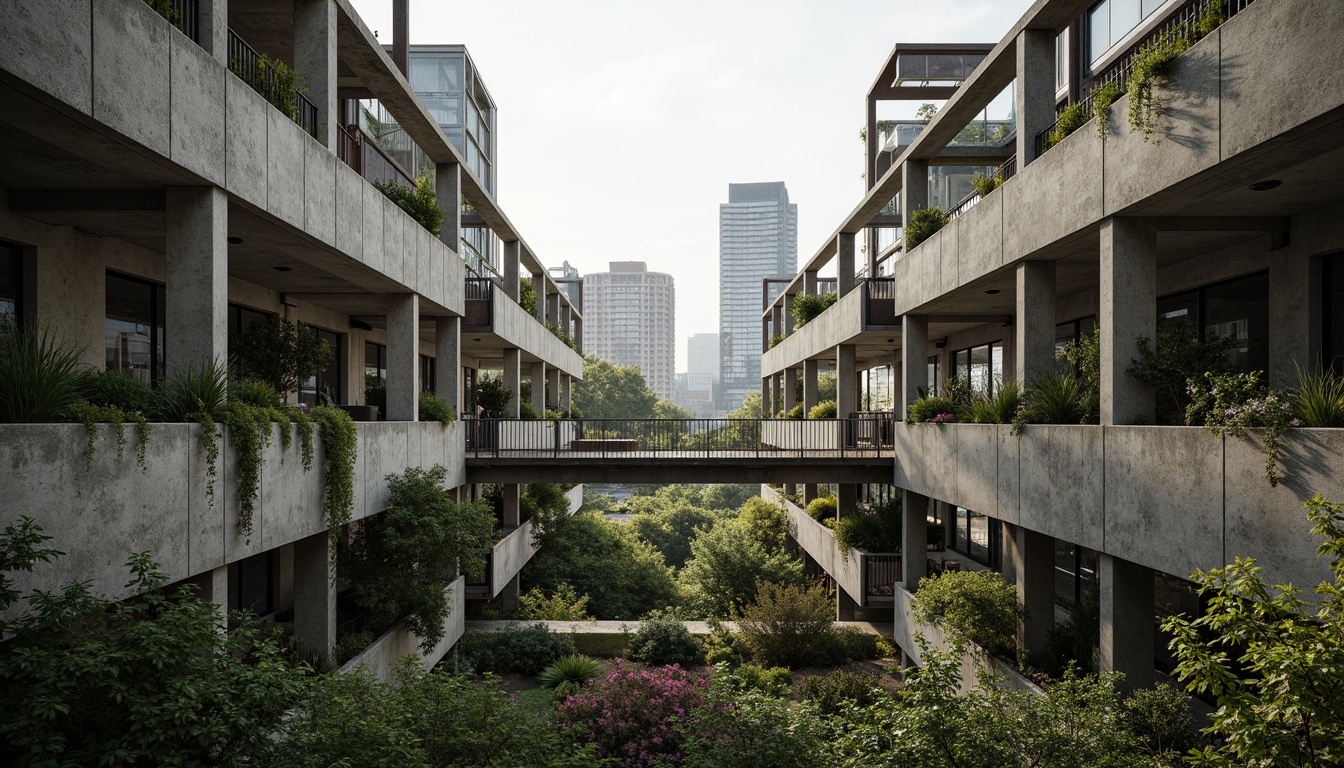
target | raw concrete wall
[
  {"x": 1175, "y": 499},
  {"x": 819, "y": 543},
  {"x": 509, "y": 556},
  {"x": 519, "y": 329},
  {"x": 839, "y": 324},
  {"x": 385, "y": 654},
  {"x": 102, "y": 514}
]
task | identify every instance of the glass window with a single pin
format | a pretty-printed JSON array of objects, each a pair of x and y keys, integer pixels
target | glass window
[
  {"x": 1062, "y": 60},
  {"x": 931, "y": 383},
  {"x": 1125, "y": 15},
  {"x": 133, "y": 330},
  {"x": 1237, "y": 309},
  {"x": 241, "y": 318},
  {"x": 1333, "y": 312},
  {"x": 252, "y": 584},
  {"x": 436, "y": 74},
  {"x": 375, "y": 374},
  {"x": 445, "y": 111},
  {"x": 325, "y": 388},
  {"x": 11, "y": 280},
  {"x": 1098, "y": 31},
  {"x": 981, "y": 367},
  {"x": 427, "y": 382}
]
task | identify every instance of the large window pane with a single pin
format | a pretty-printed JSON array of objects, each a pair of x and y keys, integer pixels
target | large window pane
[
  {"x": 978, "y": 538},
  {"x": 11, "y": 281},
  {"x": 132, "y": 332},
  {"x": 325, "y": 387},
  {"x": 1098, "y": 31},
  {"x": 435, "y": 74},
  {"x": 1125, "y": 15},
  {"x": 1240, "y": 310},
  {"x": 980, "y": 370}
]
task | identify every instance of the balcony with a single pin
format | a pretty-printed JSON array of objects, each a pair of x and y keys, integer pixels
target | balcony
[
  {"x": 269, "y": 80},
  {"x": 496, "y": 324},
  {"x": 502, "y": 562}
]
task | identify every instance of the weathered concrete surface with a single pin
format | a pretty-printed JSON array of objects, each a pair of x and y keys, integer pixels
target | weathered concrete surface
[
  {"x": 819, "y": 543},
  {"x": 837, "y": 325},
  {"x": 518, "y": 328},
  {"x": 509, "y": 555},
  {"x": 385, "y": 654}
]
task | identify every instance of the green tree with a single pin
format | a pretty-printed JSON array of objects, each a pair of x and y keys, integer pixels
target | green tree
[
  {"x": 726, "y": 564},
  {"x": 397, "y": 560},
  {"x": 613, "y": 392},
  {"x": 623, "y": 577},
  {"x": 666, "y": 409},
  {"x": 766, "y": 521},
  {"x": 727, "y": 496},
  {"x": 671, "y": 528},
  {"x": 279, "y": 353},
  {"x": 156, "y": 679},
  {"x": 750, "y": 408},
  {"x": 790, "y": 625},
  {"x": 1273, "y": 661}
]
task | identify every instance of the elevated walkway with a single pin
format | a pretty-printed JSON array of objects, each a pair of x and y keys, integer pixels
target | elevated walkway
[{"x": 851, "y": 450}]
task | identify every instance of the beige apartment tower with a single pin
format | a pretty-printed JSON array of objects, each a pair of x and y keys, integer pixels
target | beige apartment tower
[{"x": 631, "y": 317}]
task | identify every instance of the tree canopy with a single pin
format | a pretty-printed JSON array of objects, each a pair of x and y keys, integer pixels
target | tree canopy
[{"x": 613, "y": 392}]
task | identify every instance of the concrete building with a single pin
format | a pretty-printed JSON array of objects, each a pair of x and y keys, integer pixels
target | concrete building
[
  {"x": 570, "y": 282},
  {"x": 632, "y": 317},
  {"x": 153, "y": 202},
  {"x": 758, "y": 238},
  {"x": 701, "y": 384},
  {"x": 1226, "y": 216}
]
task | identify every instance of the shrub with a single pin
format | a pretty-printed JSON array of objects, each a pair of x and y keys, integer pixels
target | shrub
[
  {"x": 601, "y": 646},
  {"x": 492, "y": 397},
  {"x": 126, "y": 393},
  {"x": 563, "y": 605},
  {"x": 840, "y": 690},
  {"x": 662, "y": 639},
  {"x": 523, "y": 648},
  {"x": 434, "y": 409},
  {"x": 189, "y": 392},
  {"x": 935, "y": 409},
  {"x": 808, "y": 306},
  {"x": 998, "y": 408},
  {"x": 419, "y": 203},
  {"x": 974, "y": 606},
  {"x": 874, "y": 530},
  {"x": 822, "y": 410},
  {"x": 727, "y": 563},
  {"x": 775, "y": 682},
  {"x": 777, "y": 339},
  {"x": 849, "y": 644},
  {"x": 923, "y": 223},
  {"x": 567, "y": 674},
  {"x": 1160, "y": 718},
  {"x": 1318, "y": 399},
  {"x": 255, "y": 393},
  {"x": 1176, "y": 358},
  {"x": 796, "y": 412},
  {"x": 1053, "y": 398},
  {"x": 1071, "y": 119},
  {"x": 1236, "y": 402},
  {"x": 986, "y": 184},
  {"x": 789, "y": 625},
  {"x": 39, "y": 373},
  {"x": 630, "y": 713},
  {"x": 750, "y": 731},
  {"x": 280, "y": 353},
  {"x": 822, "y": 508}
]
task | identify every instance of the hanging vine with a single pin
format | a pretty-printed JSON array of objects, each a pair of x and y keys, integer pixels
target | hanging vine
[{"x": 339, "y": 441}]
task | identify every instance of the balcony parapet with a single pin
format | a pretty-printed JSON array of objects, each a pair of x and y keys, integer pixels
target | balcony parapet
[{"x": 384, "y": 655}]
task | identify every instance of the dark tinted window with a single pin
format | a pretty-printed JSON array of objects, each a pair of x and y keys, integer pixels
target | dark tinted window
[{"x": 133, "y": 330}]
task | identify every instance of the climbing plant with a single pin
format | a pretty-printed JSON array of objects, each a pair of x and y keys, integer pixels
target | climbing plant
[{"x": 339, "y": 440}]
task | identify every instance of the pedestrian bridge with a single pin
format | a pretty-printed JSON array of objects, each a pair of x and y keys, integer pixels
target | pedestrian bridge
[{"x": 857, "y": 449}]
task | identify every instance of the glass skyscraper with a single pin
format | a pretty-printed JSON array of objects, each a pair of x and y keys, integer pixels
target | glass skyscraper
[{"x": 758, "y": 238}]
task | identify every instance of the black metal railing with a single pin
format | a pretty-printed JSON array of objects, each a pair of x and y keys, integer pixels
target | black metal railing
[
  {"x": 865, "y": 435},
  {"x": 264, "y": 77},
  {"x": 881, "y": 573},
  {"x": 879, "y": 301},
  {"x": 480, "y": 306},
  {"x": 187, "y": 17},
  {"x": 1181, "y": 23}
]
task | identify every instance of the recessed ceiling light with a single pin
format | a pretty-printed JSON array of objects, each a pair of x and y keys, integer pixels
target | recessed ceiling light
[
  {"x": 1261, "y": 186},
  {"x": 282, "y": 269},
  {"x": 235, "y": 240},
  {"x": 992, "y": 292},
  {"x": 891, "y": 341},
  {"x": 475, "y": 339}
]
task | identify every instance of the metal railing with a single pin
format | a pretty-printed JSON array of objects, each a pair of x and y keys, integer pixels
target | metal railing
[
  {"x": 480, "y": 303},
  {"x": 1181, "y": 23},
  {"x": 879, "y": 297},
  {"x": 1003, "y": 173},
  {"x": 868, "y": 435},
  {"x": 258, "y": 72},
  {"x": 881, "y": 573},
  {"x": 187, "y": 17}
]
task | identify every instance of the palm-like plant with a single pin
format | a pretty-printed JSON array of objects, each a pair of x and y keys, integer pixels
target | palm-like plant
[
  {"x": 190, "y": 391},
  {"x": 567, "y": 674},
  {"x": 39, "y": 373},
  {"x": 1318, "y": 399}
]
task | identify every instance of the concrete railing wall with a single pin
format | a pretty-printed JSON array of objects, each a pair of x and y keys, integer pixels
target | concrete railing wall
[
  {"x": 513, "y": 324},
  {"x": 1175, "y": 499},
  {"x": 839, "y": 324},
  {"x": 819, "y": 543},
  {"x": 509, "y": 555},
  {"x": 575, "y": 498},
  {"x": 385, "y": 654},
  {"x": 100, "y": 515}
]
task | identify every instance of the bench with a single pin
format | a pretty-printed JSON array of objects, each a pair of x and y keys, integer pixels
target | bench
[{"x": 604, "y": 444}]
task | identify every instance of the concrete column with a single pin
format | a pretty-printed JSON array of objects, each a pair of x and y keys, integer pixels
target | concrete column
[
  {"x": 512, "y": 253},
  {"x": 197, "y": 277},
  {"x": 790, "y": 389},
  {"x": 577, "y": 335},
  {"x": 846, "y": 381},
  {"x": 213, "y": 20},
  {"x": 809, "y": 493},
  {"x": 1032, "y": 560},
  {"x": 1034, "y": 325},
  {"x": 448, "y": 194},
  {"x": 766, "y": 399},
  {"x": 810, "y": 282},
  {"x": 539, "y": 387},
  {"x": 788, "y": 313},
  {"x": 914, "y": 538},
  {"x": 1128, "y": 311},
  {"x": 1294, "y": 315},
  {"x": 914, "y": 187},
  {"x": 315, "y": 61},
  {"x": 448, "y": 361},
  {"x": 508, "y": 596},
  {"x": 846, "y": 499},
  {"x": 213, "y": 587},
  {"x": 566, "y": 391},
  {"x": 314, "y": 594},
  {"x": 846, "y": 609},
  {"x": 539, "y": 288},
  {"x": 552, "y": 388},
  {"x": 1127, "y": 612},
  {"x": 1035, "y": 89},
  {"x": 513, "y": 379},
  {"x": 844, "y": 263},
  {"x": 914, "y": 358},
  {"x": 810, "y": 394},
  {"x": 552, "y": 307},
  {"x": 513, "y": 504},
  {"x": 403, "y": 357}
]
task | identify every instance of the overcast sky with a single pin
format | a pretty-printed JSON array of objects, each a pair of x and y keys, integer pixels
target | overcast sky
[{"x": 622, "y": 122}]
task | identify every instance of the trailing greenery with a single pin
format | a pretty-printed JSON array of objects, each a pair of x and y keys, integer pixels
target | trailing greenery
[
  {"x": 339, "y": 444},
  {"x": 979, "y": 607},
  {"x": 663, "y": 639},
  {"x": 164, "y": 8},
  {"x": 396, "y": 561},
  {"x": 111, "y": 398},
  {"x": 1103, "y": 96},
  {"x": 871, "y": 530},
  {"x": 92, "y": 415},
  {"x": 1070, "y": 119},
  {"x": 526, "y": 649},
  {"x": 39, "y": 372},
  {"x": 562, "y": 336},
  {"x": 419, "y": 202},
  {"x": 1318, "y": 398},
  {"x": 1177, "y": 358},
  {"x": 279, "y": 353},
  {"x": 923, "y": 223},
  {"x": 986, "y": 184},
  {"x": 1236, "y": 402},
  {"x": 808, "y": 306},
  {"x": 434, "y": 409},
  {"x": 1155, "y": 60},
  {"x": 823, "y": 410}
]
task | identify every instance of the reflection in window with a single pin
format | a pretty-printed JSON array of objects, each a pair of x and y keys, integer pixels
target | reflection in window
[
  {"x": 133, "y": 330},
  {"x": 1236, "y": 309},
  {"x": 981, "y": 367},
  {"x": 1109, "y": 21},
  {"x": 931, "y": 383},
  {"x": 427, "y": 382},
  {"x": 1070, "y": 332},
  {"x": 11, "y": 280},
  {"x": 977, "y": 537}
]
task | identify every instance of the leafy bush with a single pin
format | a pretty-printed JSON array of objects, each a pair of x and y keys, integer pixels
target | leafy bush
[
  {"x": 1071, "y": 119},
  {"x": 523, "y": 648},
  {"x": 1236, "y": 402},
  {"x": 872, "y": 530},
  {"x": 838, "y": 691},
  {"x": 662, "y": 639},
  {"x": 936, "y": 409},
  {"x": 568, "y": 674},
  {"x": 808, "y": 306},
  {"x": 789, "y": 625},
  {"x": 726, "y": 564},
  {"x": 255, "y": 393},
  {"x": 849, "y": 644},
  {"x": 1160, "y": 718},
  {"x": 420, "y": 202},
  {"x": 280, "y": 353},
  {"x": 630, "y": 713},
  {"x": 822, "y": 410},
  {"x": 975, "y": 606},
  {"x": 601, "y": 646},
  {"x": 998, "y": 408},
  {"x": 797, "y": 412},
  {"x": 749, "y": 730},
  {"x": 923, "y": 223},
  {"x": 767, "y": 521},
  {"x": 39, "y": 373},
  {"x": 777, "y": 339},
  {"x": 1170, "y": 364},
  {"x": 434, "y": 409},
  {"x": 724, "y": 647},
  {"x": 563, "y": 605},
  {"x": 986, "y": 184},
  {"x": 775, "y": 682},
  {"x": 126, "y": 393},
  {"x": 822, "y": 508},
  {"x": 1318, "y": 398}
]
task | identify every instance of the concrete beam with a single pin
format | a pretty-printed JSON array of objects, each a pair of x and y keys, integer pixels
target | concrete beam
[
  {"x": 846, "y": 380},
  {"x": 510, "y": 268},
  {"x": 811, "y": 369},
  {"x": 513, "y": 504},
  {"x": 1222, "y": 224},
  {"x": 1035, "y": 89},
  {"x": 448, "y": 194},
  {"x": 614, "y": 469},
  {"x": 86, "y": 200}
]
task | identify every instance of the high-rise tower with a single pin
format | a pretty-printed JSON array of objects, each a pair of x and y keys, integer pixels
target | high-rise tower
[
  {"x": 758, "y": 238},
  {"x": 630, "y": 319}
]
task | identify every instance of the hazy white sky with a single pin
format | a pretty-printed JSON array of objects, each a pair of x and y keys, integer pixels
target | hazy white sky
[{"x": 622, "y": 122}]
